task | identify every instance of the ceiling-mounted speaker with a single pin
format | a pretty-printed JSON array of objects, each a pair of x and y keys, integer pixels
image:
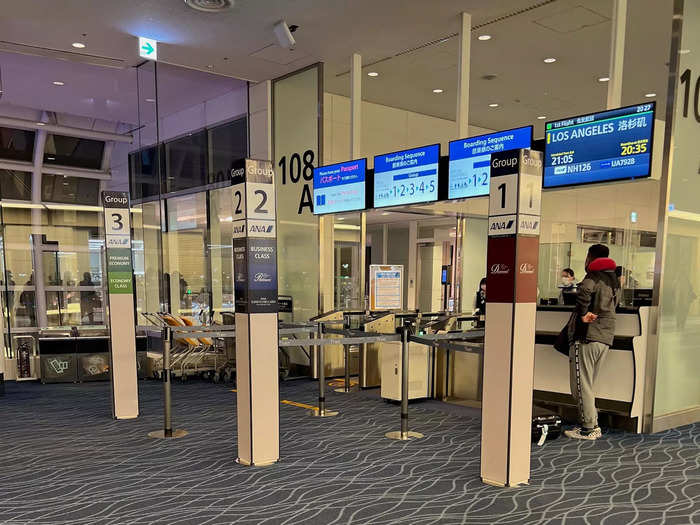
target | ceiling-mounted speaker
[
  {"x": 284, "y": 35},
  {"x": 210, "y": 6}
]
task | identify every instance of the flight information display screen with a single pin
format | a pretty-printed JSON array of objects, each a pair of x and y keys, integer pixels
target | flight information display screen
[
  {"x": 600, "y": 147},
  {"x": 406, "y": 177},
  {"x": 340, "y": 187},
  {"x": 470, "y": 160}
]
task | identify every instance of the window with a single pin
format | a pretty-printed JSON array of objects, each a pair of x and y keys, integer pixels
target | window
[
  {"x": 15, "y": 185},
  {"x": 144, "y": 172},
  {"x": 186, "y": 162},
  {"x": 69, "y": 190},
  {"x": 16, "y": 144},
  {"x": 227, "y": 143},
  {"x": 73, "y": 151}
]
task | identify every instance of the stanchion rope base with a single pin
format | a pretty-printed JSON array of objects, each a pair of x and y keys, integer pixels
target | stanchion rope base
[
  {"x": 160, "y": 434},
  {"x": 404, "y": 436}
]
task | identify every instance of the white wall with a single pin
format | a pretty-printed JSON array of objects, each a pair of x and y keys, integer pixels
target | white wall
[{"x": 384, "y": 129}]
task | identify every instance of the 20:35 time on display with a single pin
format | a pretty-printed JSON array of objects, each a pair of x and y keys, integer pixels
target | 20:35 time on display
[
  {"x": 633, "y": 149},
  {"x": 401, "y": 190}
]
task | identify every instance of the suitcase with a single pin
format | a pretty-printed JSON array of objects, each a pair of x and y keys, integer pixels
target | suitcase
[{"x": 546, "y": 425}]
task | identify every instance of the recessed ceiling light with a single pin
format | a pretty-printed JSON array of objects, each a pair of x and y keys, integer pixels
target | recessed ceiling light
[
  {"x": 150, "y": 100},
  {"x": 50, "y": 158},
  {"x": 78, "y": 45},
  {"x": 41, "y": 123},
  {"x": 650, "y": 95},
  {"x": 372, "y": 74},
  {"x": 438, "y": 90},
  {"x": 550, "y": 60},
  {"x": 493, "y": 105},
  {"x": 58, "y": 83},
  {"x": 484, "y": 37},
  {"x": 541, "y": 117},
  {"x": 603, "y": 79}
]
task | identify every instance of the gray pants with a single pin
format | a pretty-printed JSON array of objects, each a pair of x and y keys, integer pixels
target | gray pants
[{"x": 585, "y": 361}]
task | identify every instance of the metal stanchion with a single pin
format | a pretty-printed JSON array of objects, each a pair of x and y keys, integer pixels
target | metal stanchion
[
  {"x": 404, "y": 434},
  {"x": 345, "y": 389},
  {"x": 321, "y": 412},
  {"x": 167, "y": 431}
]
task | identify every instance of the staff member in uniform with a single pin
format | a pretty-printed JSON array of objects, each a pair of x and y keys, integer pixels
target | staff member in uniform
[{"x": 568, "y": 287}]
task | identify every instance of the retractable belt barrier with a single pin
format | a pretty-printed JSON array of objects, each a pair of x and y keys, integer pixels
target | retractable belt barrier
[{"x": 457, "y": 341}]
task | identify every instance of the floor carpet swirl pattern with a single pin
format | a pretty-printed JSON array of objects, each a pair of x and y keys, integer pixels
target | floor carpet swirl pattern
[{"x": 65, "y": 461}]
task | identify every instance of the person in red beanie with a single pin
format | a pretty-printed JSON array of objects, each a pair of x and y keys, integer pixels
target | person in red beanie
[{"x": 591, "y": 332}]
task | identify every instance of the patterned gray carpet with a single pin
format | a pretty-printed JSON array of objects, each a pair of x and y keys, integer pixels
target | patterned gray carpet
[{"x": 65, "y": 461}]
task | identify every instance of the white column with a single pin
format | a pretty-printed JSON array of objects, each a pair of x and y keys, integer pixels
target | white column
[
  {"x": 37, "y": 230},
  {"x": 260, "y": 120},
  {"x": 356, "y": 106},
  {"x": 617, "y": 53},
  {"x": 465, "y": 29},
  {"x": 412, "y": 263}
]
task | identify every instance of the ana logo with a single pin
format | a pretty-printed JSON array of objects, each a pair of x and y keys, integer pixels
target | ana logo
[
  {"x": 527, "y": 268},
  {"x": 262, "y": 277},
  {"x": 238, "y": 228},
  {"x": 500, "y": 269},
  {"x": 261, "y": 228},
  {"x": 502, "y": 225},
  {"x": 529, "y": 224}
]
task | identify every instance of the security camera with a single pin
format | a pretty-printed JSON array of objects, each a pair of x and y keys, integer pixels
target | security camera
[{"x": 284, "y": 35}]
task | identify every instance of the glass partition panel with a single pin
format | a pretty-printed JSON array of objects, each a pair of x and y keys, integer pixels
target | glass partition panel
[
  {"x": 347, "y": 244},
  {"x": 221, "y": 252},
  {"x": 69, "y": 190},
  {"x": 147, "y": 258},
  {"x": 16, "y": 144},
  {"x": 185, "y": 256}
]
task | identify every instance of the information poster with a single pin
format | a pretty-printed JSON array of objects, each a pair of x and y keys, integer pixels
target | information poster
[
  {"x": 340, "y": 187},
  {"x": 470, "y": 160},
  {"x": 406, "y": 177},
  {"x": 600, "y": 147},
  {"x": 386, "y": 287}
]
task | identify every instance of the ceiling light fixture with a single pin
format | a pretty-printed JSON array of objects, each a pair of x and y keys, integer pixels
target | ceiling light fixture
[
  {"x": 603, "y": 79},
  {"x": 372, "y": 74},
  {"x": 78, "y": 45},
  {"x": 41, "y": 123},
  {"x": 541, "y": 117},
  {"x": 150, "y": 100},
  {"x": 550, "y": 60},
  {"x": 493, "y": 105},
  {"x": 684, "y": 51},
  {"x": 484, "y": 37},
  {"x": 58, "y": 83},
  {"x": 438, "y": 90},
  {"x": 650, "y": 95}
]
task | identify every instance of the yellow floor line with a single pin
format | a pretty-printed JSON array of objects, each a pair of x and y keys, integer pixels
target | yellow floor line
[
  {"x": 292, "y": 403},
  {"x": 300, "y": 405}
]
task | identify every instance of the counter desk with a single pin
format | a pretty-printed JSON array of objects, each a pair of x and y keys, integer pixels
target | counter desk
[{"x": 620, "y": 384}]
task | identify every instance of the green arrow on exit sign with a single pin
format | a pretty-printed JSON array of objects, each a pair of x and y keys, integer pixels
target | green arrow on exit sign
[{"x": 148, "y": 48}]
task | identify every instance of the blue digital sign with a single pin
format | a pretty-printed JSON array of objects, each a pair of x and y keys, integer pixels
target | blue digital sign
[
  {"x": 406, "y": 177},
  {"x": 470, "y": 160},
  {"x": 600, "y": 147},
  {"x": 340, "y": 187}
]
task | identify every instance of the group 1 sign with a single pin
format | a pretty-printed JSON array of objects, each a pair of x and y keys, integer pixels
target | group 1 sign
[
  {"x": 509, "y": 346},
  {"x": 121, "y": 304}
]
